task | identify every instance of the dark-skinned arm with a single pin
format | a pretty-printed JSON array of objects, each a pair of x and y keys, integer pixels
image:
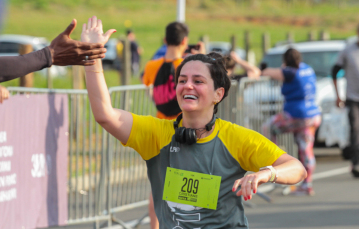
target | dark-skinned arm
[{"x": 62, "y": 51}]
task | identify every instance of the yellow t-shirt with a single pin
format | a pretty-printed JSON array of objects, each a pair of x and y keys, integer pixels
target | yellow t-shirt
[
  {"x": 229, "y": 152},
  {"x": 250, "y": 149}
]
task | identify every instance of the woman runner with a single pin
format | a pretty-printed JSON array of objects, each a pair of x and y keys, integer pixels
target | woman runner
[{"x": 196, "y": 163}]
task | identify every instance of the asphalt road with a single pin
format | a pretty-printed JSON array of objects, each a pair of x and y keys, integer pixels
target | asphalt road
[{"x": 335, "y": 204}]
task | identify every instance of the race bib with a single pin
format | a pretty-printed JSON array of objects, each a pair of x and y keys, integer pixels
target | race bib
[{"x": 196, "y": 189}]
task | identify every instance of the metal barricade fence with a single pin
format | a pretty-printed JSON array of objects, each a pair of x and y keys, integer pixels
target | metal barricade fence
[
  {"x": 227, "y": 109},
  {"x": 128, "y": 186},
  {"x": 87, "y": 150},
  {"x": 106, "y": 178},
  {"x": 257, "y": 101}
]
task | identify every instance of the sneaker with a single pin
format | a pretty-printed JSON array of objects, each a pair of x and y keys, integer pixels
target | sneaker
[{"x": 301, "y": 191}]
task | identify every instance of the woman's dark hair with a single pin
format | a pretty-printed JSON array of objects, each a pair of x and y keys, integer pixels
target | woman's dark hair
[
  {"x": 292, "y": 58},
  {"x": 216, "y": 66}
]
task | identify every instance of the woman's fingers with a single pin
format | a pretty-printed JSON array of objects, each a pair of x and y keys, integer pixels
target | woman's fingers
[
  {"x": 236, "y": 184},
  {"x": 255, "y": 185},
  {"x": 93, "y": 22},
  {"x": 252, "y": 186},
  {"x": 83, "y": 27},
  {"x": 246, "y": 188},
  {"x": 89, "y": 23},
  {"x": 99, "y": 24},
  {"x": 109, "y": 33},
  {"x": 248, "y": 184}
]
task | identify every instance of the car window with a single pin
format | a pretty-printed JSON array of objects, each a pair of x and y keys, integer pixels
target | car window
[
  {"x": 273, "y": 61},
  {"x": 321, "y": 62},
  {"x": 9, "y": 47}
]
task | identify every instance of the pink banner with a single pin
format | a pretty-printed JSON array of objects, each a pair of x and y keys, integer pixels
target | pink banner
[{"x": 33, "y": 161}]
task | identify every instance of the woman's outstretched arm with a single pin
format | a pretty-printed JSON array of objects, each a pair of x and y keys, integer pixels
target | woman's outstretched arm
[
  {"x": 252, "y": 71},
  {"x": 274, "y": 73},
  {"x": 289, "y": 171},
  {"x": 116, "y": 122}
]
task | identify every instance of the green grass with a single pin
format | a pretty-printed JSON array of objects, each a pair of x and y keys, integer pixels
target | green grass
[
  {"x": 111, "y": 76},
  {"x": 219, "y": 19}
]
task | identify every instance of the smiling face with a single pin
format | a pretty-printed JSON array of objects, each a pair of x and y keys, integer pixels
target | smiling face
[{"x": 195, "y": 89}]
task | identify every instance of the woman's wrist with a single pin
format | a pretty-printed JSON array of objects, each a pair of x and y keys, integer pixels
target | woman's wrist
[
  {"x": 268, "y": 174},
  {"x": 97, "y": 67},
  {"x": 273, "y": 173}
]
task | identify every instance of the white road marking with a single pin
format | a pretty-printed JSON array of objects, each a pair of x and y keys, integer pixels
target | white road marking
[{"x": 330, "y": 173}]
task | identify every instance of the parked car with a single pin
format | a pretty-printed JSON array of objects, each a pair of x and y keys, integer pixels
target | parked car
[
  {"x": 321, "y": 56},
  {"x": 352, "y": 39},
  {"x": 10, "y": 44},
  {"x": 110, "y": 60}
]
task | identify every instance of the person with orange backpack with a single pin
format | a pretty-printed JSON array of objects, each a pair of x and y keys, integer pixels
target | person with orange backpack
[{"x": 160, "y": 72}]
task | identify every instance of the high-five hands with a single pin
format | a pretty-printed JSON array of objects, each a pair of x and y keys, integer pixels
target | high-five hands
[
  {"x": 65, "y": 51},
  {"x": 93, "y": 32}
]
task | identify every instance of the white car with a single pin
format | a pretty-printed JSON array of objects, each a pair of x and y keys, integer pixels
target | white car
[
  {"x": 264, "y": 100},
  {"x": 10, "y": 44}
]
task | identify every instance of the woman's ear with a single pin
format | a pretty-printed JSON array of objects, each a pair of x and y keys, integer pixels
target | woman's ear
[{"x": 219, "y": 94}]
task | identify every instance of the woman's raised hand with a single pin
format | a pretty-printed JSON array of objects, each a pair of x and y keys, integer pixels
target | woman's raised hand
[{"x": 93, "y": 33}]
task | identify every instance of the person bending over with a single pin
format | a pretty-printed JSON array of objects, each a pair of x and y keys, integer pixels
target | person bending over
[{"x": 300, "y": 115}]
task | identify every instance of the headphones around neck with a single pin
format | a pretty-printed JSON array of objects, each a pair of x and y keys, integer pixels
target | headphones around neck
[{"x": 188, "y": 135}]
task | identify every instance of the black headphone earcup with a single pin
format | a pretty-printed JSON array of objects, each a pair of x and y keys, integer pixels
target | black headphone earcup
[
  {"x": 191, "y": 136},
  {"x": 180, "y": 135}
]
